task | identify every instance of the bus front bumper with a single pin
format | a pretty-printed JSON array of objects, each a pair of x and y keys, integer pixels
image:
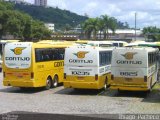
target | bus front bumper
[
  {"x": 129, "y": 87},
  {"x": 81, "y": 85}
]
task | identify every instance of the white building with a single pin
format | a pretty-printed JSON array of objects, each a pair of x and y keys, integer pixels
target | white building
[
  {"x": 50, "y": 26},
  {"x": 123, "y": 34},
  {"x": 126, "y": 31},
  {"x": 40, "y": 3}
]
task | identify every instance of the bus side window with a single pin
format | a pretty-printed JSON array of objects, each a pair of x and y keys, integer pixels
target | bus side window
[
  {"x": 61, "y": 53},
  {"x": 46, "y": 58},
  {"x": 149, "y": 59},
  {"x": 109, "y": 58},
  {"x": 54, "y": 54},
  {"x": 48, "y": 54},
  {"x": 104, "y": 58},
  {"x": 115, "y": 44},
  {"x": 120, "y": 44},
  {"x": 154, "y": 57},
  {"x": 42, "y": 55},
  {"x": 38, "y": 55},
  {"x": 61, "y": 56},
  {"x": 53, "y": 57}
]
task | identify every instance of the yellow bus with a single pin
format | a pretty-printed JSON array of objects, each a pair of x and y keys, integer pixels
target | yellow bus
[
  {"x": 119, "y": 43},
  {"x": 134, "y": 69},
  {"x": 100, "y": 43},
  {"x": 2, "y": 44},
  {"x": 81, "y": 41},
  {"x": 28, "y": 64},
  {"x": 87, "y": 67}
]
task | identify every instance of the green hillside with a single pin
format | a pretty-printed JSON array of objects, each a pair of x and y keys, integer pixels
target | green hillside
[
  {"x": 20, "y": 25},
  {"x": 52, "y": 15}
]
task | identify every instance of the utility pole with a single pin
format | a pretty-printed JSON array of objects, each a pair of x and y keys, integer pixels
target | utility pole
[{"x": 135, "y": 25}]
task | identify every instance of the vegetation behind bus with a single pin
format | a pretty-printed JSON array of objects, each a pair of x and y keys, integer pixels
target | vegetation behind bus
[{"x": 20, "y": 24}]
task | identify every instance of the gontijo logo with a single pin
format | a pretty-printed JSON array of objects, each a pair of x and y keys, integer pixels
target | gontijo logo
[
  {"x": 81, "y": 54},
  {"x": 129, "y": 55},
  {"x": 18, "y": 50}
]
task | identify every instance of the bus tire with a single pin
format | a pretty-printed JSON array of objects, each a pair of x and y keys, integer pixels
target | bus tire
[
  {"x": 150, "y": 86},
  {"x": 48, "y": 83},
  {"x": 105, "y": 84},
  {"x": 23, "y": 88},
  {"x": 55, "y": 81},
  {"x": 158, "y": 75}
]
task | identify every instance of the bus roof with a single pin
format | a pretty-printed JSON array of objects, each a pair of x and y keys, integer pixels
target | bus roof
[
  {"x": 118, "y": 41},
  {"x": 42, "y": 45},
  {"x": 82, "y": 41},
  {"x": 148, "y": 49},
  {"x": 91, "y": 47},
  {"x": 7, "y": 41}
]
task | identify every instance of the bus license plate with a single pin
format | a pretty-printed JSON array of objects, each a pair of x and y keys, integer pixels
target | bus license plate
[
  {"x": 19, "y": 75},
  {"x": 80, "y": 78},
  {"x": 128, "y": 79}
]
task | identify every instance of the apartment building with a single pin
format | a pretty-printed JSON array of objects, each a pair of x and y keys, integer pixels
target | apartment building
[{"x": 40, "y": 3}]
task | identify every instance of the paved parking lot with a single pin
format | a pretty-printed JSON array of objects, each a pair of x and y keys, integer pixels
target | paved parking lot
[{"x": 70, "y": 101}]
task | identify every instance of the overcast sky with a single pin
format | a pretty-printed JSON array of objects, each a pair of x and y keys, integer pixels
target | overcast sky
[{"x": 148, "y": 11}]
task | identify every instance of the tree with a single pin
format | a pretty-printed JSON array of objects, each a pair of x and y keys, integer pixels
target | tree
[
  {"x": 94, "y": 26},
  {"x": 67, "y": 27},
  {"x": 106, "y": 26},
  {"x": 52, "y": 15},
  {"x": 91, "y": 26},
  {"x": 112, "y": 24},
  {"x": 100, "y": 26},
  {"x": 151, "y": 33},
  {"x": 126, "y": 25},
  {"x": 87, "y": 29},
  {"x": 6, "y": 5},
  {"x": 16, "y": 23},
  {"x": 104, "y": 23},
  {"x": 21, "y": 25},
  {"x": 39, "y": 31},
  {"x": 27, "y": 32}
]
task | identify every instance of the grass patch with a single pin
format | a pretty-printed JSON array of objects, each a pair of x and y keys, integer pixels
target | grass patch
[{"x": 156, "y": 87}]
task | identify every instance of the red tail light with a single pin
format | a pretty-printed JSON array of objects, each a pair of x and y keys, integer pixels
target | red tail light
[
  {"x": 145, "y": 78},
  {"x": 96, "y": 77},
  {"x": 32, "y": 75},
  {"x": 64, "y": 75},
  {"x": 112, "y": 77}
]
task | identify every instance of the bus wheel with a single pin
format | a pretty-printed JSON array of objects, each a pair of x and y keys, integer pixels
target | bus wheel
[
  {"x": 150, "y": 85},
  {"x": 23, "y": 88},
  {"x": 55, "y": 81},
  {"x": 105, "y": 84},
  {"x": 158, "y": 75},
  {"x": 48, "y": 83}
]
